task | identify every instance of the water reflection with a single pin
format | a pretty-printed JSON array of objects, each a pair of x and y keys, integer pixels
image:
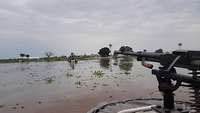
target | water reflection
[
  {"x": 49, "y": 65},
  {"x": 24, "y": 66},
  {"x": 104, "y": 63},
  {"x": 126, "y": 63},
  {"x": 115, "y": 61},
  {"x": 72, "y": 64},
  {"x": 50, "y": 80}
]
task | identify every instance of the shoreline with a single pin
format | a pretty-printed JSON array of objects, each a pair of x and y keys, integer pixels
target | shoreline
[{"x": 44, "y": 59}]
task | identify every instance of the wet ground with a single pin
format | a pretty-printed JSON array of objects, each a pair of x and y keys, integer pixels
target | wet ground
[{"x": 60, "y": 87}]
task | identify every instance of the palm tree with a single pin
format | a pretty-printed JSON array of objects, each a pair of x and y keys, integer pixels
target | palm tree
[
  {"x": 110, "y": 45},
  {"x": 48, "y": 54},
  {"x": 180, "y": 45},
  {"x": 27, "y": 56}
]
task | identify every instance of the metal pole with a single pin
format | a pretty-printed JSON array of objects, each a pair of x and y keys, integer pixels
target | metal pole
[
  {"x": 146, "y": 108},
  {"x": 168, "y": 100}
]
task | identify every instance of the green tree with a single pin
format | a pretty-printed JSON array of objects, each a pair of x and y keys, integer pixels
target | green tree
[
  {"x": 104, "y": 52},
  {"x": 125, "y": 49},
  {"x": 22, "y": 55},
  {"x": 27, "y": 56},
  {"x": 159, "y": 51},
  {"x": 48, "y": 54},
  {"x": 180, "y": 45}
]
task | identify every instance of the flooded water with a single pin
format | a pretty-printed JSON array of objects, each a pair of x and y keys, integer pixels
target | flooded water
[{"x": 60, "y": 87}]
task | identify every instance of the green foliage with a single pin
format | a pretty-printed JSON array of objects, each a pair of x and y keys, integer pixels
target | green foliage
[
  {"x": 98, "y": 73},
  {"x": 69, "y": 75},
  {"x": 50, "y": 80},
  {"x": 48, "y": 54},
  {"x": 104, "y": 52},
  {"x": 126, "y": 49},
  {"x": 159, "y": 51},
  {"x": 86, "y": 57},
  {"x": 46, "y": 59},
  {"x": 78, "y": 83}
]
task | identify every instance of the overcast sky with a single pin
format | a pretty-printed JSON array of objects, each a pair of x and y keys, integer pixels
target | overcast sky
[{"x": 84, "y": 26}]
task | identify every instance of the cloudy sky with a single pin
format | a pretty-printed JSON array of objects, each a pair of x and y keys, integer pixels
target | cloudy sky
[{"x": 84, "y": 26}]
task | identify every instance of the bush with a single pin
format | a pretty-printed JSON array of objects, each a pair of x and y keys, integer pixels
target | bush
[
  {"x": 126, "y": 49},
  {"x": 104, "y": 52}
]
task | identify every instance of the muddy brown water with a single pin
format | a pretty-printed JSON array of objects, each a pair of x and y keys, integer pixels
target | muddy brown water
[{"x": 58, "y": 87}]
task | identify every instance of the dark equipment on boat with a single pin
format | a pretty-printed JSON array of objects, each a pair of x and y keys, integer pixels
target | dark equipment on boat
[
  {"x": 186, "y": 59},
  {"x": 166, "y": 74}
]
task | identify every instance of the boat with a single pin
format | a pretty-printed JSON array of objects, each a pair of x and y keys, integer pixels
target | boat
[{"x": 148, "y": 105}]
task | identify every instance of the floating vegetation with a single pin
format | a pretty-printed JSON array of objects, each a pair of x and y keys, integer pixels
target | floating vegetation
[
  {"x": 78, "y": 76},
  {"x": 69, "y": 75},
  {"x": 96, "y": 83},
  {"x": 39, "y": 102},
  {"x": 92, "y": 89},
  {"x": 98, "y": 73},
  {"x": 94, "y": 86},
  {"x": 78, "y": 83},
  {"x": 33, "y": 75},
  {"x": 22, "y": 107},
  {"x": 14, "y": 107},
  {"x": 127, "y": 73},
  {"x": 1, "y": 106},
  {"x": 29, "y": 83},
  {"x": 17, "y": 106},
  {"x": 105, "y": 85},
  {"x": 117, "y": 85},
  {"x": 50, "y": 80}
]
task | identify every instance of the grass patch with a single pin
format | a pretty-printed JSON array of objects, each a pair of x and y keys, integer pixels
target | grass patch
[
  {"x": 50, "y": 80},
  {"x": 98, "y": 74}
]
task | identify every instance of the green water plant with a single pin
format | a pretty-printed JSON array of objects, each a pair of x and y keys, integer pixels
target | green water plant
[
  {"x": 98, "y": 73},
  {"x": 69, "y": 75},
  {"x": 78, "y": 83},
  {"x": 50, "y": 79}
]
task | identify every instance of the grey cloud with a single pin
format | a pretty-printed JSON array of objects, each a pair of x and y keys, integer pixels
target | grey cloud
[{"x": 87, "y": 25}]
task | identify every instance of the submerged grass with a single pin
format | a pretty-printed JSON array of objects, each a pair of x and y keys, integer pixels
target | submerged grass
[
  {"x": 50, "y": 79},
  {"x": 98, "y": 73}
]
